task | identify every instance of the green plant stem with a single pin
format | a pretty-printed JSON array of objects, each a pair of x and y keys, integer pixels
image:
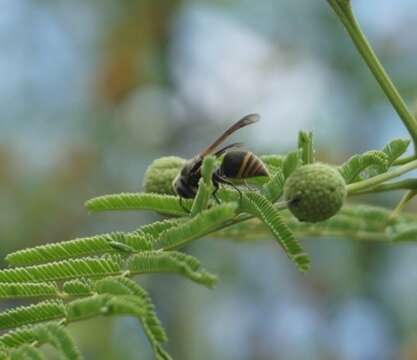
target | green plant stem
[
  {"x": 404, "y": 201},
  {"x": 404, "y": 160},
  {"x": 408, "y": 184},
  {"x": 343, "y": 10},
  {"x": 379, "y": 179}
]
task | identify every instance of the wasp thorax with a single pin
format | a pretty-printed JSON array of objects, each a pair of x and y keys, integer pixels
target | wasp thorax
[{"x": 315, "y": 192}]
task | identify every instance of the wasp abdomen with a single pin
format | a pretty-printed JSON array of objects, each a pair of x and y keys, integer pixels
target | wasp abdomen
[{"x": 242, "y": 165}]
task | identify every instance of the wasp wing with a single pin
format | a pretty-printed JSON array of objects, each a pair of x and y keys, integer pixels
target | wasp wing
[{"x": 245, "y": 121}]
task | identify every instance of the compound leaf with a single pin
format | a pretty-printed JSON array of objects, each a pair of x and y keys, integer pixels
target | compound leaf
[
  {"x": 270, "y": 215},
  {"x": 165, "y": 204}
]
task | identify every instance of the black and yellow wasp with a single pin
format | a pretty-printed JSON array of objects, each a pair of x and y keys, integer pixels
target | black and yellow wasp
[{"x": 235, "y": 164}]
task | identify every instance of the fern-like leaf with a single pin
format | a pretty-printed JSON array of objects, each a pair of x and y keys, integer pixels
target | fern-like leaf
[
  {"x": 164, "y": 204},
  {"x": 292, "y": 162},
  {"x": 170, "y": 261},
  {"x": 153, "y": 230},
  {"x": 259, "y": 206},
  {"x": 202, "y": 198},
  {"x": 78, "y": 287},
  {"x": 152, "y": 322},
  {"x": 125, "y": 286},
  {"x": 23, "y": 315},
  {"x": 88, "y": 246},
  {"x": 17, "y": 337},
  {"x": 49, "y": 333},
  {"x": 64, "y": 270},
  {"x": 59, "y": 338},
  {"x": 131, "y": 305},
  {"x": 198, "y": 226},
  {"x": 27, "y": 290},
  {"x": 87, "y": 307},
  {"x": 395, "y": 149},
  {"x": 105, "y": 304},
  {"x": 205, "y": 186},
  {"x": 3, "y": 352},
  {"x": 26, "y": 352},
  {"x": 357, "y": 164},
  {"x": 305, "y": 146},
  {"x": 274, "y": 187},
  {"x": 402, "y": 232}
]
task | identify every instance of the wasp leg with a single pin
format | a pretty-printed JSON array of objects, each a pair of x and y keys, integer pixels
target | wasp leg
[
  {"x": 220, "y": 179},
  {"x": 188, "y": 211}
]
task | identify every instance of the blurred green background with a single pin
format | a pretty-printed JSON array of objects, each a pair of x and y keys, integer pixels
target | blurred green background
[{"x": 92, "y": 91}]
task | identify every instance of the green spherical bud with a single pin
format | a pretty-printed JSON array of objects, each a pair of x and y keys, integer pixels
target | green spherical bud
[
  {"x": 315, "y": 192},
  {"x": 160, "y": 174}
]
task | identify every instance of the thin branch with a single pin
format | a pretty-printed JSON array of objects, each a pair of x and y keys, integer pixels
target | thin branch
[
  {"x": 343, "y": 10},
  {"x": 379, "y": 179}
]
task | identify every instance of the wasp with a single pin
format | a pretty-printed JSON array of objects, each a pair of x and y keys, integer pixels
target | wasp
[{"x": 236, "y": 164}]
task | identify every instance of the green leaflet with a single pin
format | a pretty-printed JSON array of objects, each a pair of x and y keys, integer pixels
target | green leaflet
[
  {"x": 17, "y": 337},
  {"x": 198, "y": 226},
  {"x": 79, "y": 287},
  {"x": 395, "y": 149},
  {"x": 152, "y": 323},
  {"x": 354, "y": 166},
  {"x": 259, "y": 206},
  {"x": 207, "y": 168},
  {"x": 165, "y": 204},
  {"x": 58, "y": 337},
  {"x": 305, "y": 146},
  {"x": 129, "y": 299},
  {"x": 292, "y": 162},
  {"x": 27, "y": 290},
  {"x": 402, "y": 232},
  {"x": 48, "y": 333},
  {"x": 139, "y": 240},
  {"x": 155, "y": 229},
  {"x": 64, "y": 270},
  {"x": 88, "y": 246},
  {"x": 274, "y": 187},
  {"x": 132, "y": 305},
  {"x": 106, "y": 304},
  {"x": 124, "y": 286},
  {"x": 374, "y": 161},
  {"x": 3, "y": 352},
  {"x": 26, "y": 352},
  {"x": 170, "y": 261},
  {"x": 202, "y": 198},
  {"x": 87, "y": 307},
  {"x": 205, "y": 186},
  {"x": 23, "y": 315}
]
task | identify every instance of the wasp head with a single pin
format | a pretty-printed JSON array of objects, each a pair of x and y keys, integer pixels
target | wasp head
[{"x": 185, "y": 183}]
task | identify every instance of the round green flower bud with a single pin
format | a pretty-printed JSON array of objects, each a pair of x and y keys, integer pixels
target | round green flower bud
[
  {"x": 160, "y": 174},
  {"x": 315, "y": 192}
]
